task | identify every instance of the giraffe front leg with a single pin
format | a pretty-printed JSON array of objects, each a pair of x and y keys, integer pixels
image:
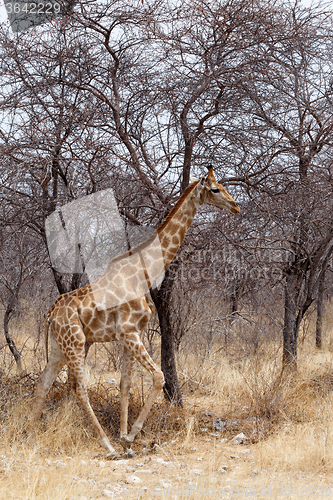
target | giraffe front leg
[
  {"x": 133, "y": 343},
  {"x": 125, "y": 385},
  {"x": 158, "y": 382}
]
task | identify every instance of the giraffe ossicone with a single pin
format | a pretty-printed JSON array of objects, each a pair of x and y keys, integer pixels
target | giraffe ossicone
[{"x": 117, "y": 307}]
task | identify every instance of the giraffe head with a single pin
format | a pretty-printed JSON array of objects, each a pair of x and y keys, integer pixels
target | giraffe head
[{"x": 214, "y": 193}]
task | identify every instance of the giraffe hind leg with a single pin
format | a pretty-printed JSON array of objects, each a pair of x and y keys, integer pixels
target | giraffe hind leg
[
  {"x": 53, "y": 367},
  {"x": 125, "y": 385},
  {"x": 80, "y": 392},
  {"x": 74, "y": 353}
]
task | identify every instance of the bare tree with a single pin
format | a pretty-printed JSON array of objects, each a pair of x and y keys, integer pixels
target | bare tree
[
  {"x": 135, "y": 96},
  {"x": 290, "y": 102},
  {"x": 20, "y": 258}
]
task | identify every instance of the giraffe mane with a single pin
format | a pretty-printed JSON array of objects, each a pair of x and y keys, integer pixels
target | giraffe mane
[
  {"x": 150, "y": 239},
  {"x": 177, "y": 205}
]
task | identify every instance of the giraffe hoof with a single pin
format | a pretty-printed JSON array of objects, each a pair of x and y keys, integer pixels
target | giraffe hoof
[
  {"x": 129, "y": 453},
  {"x": 125, "y": 442},
  {"x": 113, "y": 455}
]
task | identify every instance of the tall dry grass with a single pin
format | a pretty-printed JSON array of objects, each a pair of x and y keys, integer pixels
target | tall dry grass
[{"x": 287, "y": 418}]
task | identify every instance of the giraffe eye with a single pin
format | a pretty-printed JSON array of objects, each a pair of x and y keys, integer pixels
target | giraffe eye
[{"x": 215, "y": 190}]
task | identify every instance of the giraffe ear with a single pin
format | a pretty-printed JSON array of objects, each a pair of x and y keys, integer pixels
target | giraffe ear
[
  {"x": 193, "y": 179},
  {"x": 211, "y": 176}
]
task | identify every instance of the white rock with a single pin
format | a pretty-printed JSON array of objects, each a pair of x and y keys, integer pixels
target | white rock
[
  {"x": 101, "y": 464},
  {"x": 240, "y": 439},
  {"x": 59, "y": 463},
  {"x": 166, "y": 485},
  {"x": 108, "y": 493},
  {"x": 195, "y": 471},
  {"x": 117, "y": 488},
  {"x": 133, "y": 480},
  {"x": 200, "y": 458},
  {"x": 222, "y": 469},
  {"x": 160, "y": 460},
  {"x": 111, "y": 381}
]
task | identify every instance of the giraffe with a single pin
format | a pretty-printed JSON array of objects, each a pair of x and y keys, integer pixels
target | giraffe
[{"x": 117, "y": 307}]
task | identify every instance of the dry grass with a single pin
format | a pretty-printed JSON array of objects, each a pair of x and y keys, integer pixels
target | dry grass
[{"x": 287, "y": 419}]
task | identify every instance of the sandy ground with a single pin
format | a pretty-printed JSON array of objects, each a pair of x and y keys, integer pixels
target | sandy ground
[{"x": 206, "y": 468}]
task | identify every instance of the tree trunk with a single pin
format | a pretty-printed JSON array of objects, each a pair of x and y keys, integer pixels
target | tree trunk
[
  {"x": 290, "y": 328},
  {"x": 58, "y": 278},
  {"x": 9, "y": 340},
  {"x": 162, "y": 299},
  {"x": 320, "y": 303},
  {"x": 234, "y": 296},
  {"x": 234, "y": 303}
]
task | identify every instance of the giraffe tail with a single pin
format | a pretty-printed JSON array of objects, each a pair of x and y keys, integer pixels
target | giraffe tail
[{"x": 46, "y": 333}]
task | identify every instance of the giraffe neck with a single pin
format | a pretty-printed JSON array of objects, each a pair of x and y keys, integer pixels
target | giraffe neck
[
  {"x": 131, "y": 274},
  {"x": 174, "y": 228}
]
